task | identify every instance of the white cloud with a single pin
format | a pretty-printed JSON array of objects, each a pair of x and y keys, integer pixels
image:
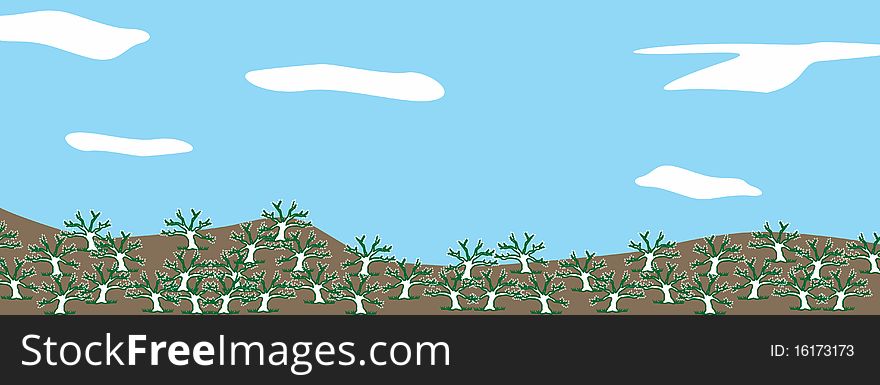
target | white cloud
[
  {"x": 694, "y": 185},
  {"x": 85, "y": 141},
  {"x": 759, "y": 67},
  {"x": 70, "y": 33},
  {"x": 409, "y": 86}
]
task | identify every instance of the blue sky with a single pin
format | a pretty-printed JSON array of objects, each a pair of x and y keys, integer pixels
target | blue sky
[{"x": 548, "y": 118}]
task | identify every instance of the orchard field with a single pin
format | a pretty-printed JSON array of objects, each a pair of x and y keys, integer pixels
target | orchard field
[{"x": 281, "y": 264}]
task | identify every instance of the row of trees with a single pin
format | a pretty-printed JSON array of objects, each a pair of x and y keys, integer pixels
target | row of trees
[{"x": 240, "y": 278}]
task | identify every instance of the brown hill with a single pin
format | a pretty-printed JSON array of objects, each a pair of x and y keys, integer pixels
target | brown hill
[{"x": 157, "y": 249}]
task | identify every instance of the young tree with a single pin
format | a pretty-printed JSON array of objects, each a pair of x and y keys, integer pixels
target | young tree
[
  {"x": 451, "y": 288},
  {"x": 358, "y": 294},
  {"x": 275, "y": 289},
  {"x": 615, "y": 291},
  {"x": 160, "y": 289},
  {"x": 192, "y": 229},
  {"x": 195, "y": 294},
  {"x": 755, "y": 279},
  {"x": 543, "y": 293},
  {"x": 494, "y": 289},
  {"x": 15, "y": 278},
  {"x": 821, "y": 259},
  {"x": 62, "y": 293},
  {"x": 524, "y": 253},
  {"x": 86, "y": 231},
  {"x": 104, "y": 281},
  {"x": 8, "y": 238},
  {"x": 286, "y": 220},
  {"x": 302, "y": 251},
  {"x": 408, "y": 278},
  {"x": 706, "y": 293},
  {"x": 232, "y": 268},
  {"x": 366, "y": 257},
  {"x": 778, "y": 241},
  {"x": 651, "y": 252},
  {"x": 864, "y": 250},
  {"x": 55, "y": 255},
  {"x": 842, "y": 290},
  {"x": 801, "y": 286},
  {"x": 186, "y": 270},
  {"x": 315, "y": 280},
  {"x": 118, "y": 252},
  {"x": 715, "y": 256},
  {"x": 583, "y": 271},
  {"x": 226, "y": 293},
  {"x": 666, "y": 283},
  {"x": 251, "y": 242},
  {"x": 470, "y": 259}
]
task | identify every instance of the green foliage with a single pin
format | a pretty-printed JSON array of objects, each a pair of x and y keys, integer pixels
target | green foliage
[
  {"x": 524, "y": 253},
  {"x": 8, "y": 238},
  {"x": 544, "y": 293},
  {"x": 191, "y": 228},
  {"x": 574, "y": 268},
  {"x": 407, "y": 278},
  {"x": 367, "y": 256},
  {"x": 716, "y": 255},
  {"x": 54, "y": 254},
  {"x": 770, "y": 239},
  {"x": 649, "y": 252},
  {"x": 870, "y": 252},
  {"x": 818, "y": 260},
  {"x": 469, "y": 259},
  {"x": 119, "y": 251},
  {"x": 615, "y": 291}
]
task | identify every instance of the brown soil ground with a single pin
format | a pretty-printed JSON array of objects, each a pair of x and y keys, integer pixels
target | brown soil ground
[{"x": 157, "y": 248}]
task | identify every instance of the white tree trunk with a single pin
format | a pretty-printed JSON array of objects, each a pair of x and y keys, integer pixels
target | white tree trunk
[
  {"x": 225, "y": 300},
  {"x": 524, "y": 264},
  {"x": 300, "y": 262},
  {"x": 282, "y": 230},
  {"x": 316, "y": 290},
  {"x": 56, "y": 266},
  {"x": 713, "y": 268},
  {"x": 649, "y": 262},
  {"x": 102, "y": 294},
  {"x": 707, "y": 301},
  {"x": 453, "y": 296},
  {"x": 90, "y": 238},
  {"x": 191, "y": 240},
  {"x": 777, "y": 247},
  {"x": 585, "y": 282},
  {"x": 838, "y": 305},
  {"x": 872, "y": 259},
  {"x": 194, "y": 300},
  {"x": 120, "y": 262},
  {"x": 468, "y": 266},
  {"x": 404, "y": 289},
  {"x": 251, "y": 253},
  {"x": 667, "y": 293},
  {"x": 157, "y": 306},
  {"x": 490, "y": 301},
  {"x": 264, "y": 303},
  {"x": 365, "y": 267},
  {"x": 753, "y": 292},
  {"x": 805, "y": 304},
  {"x": 612, "y": 308},
  {"x": 817, "y": 270},
  {"x": 545, "y": 304},
  {"x": 14, "y": 286},
  {"x": 62, "y": 303},
  {"x": 184, "y": 279},
  {"x": 359, "y": 301}
]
